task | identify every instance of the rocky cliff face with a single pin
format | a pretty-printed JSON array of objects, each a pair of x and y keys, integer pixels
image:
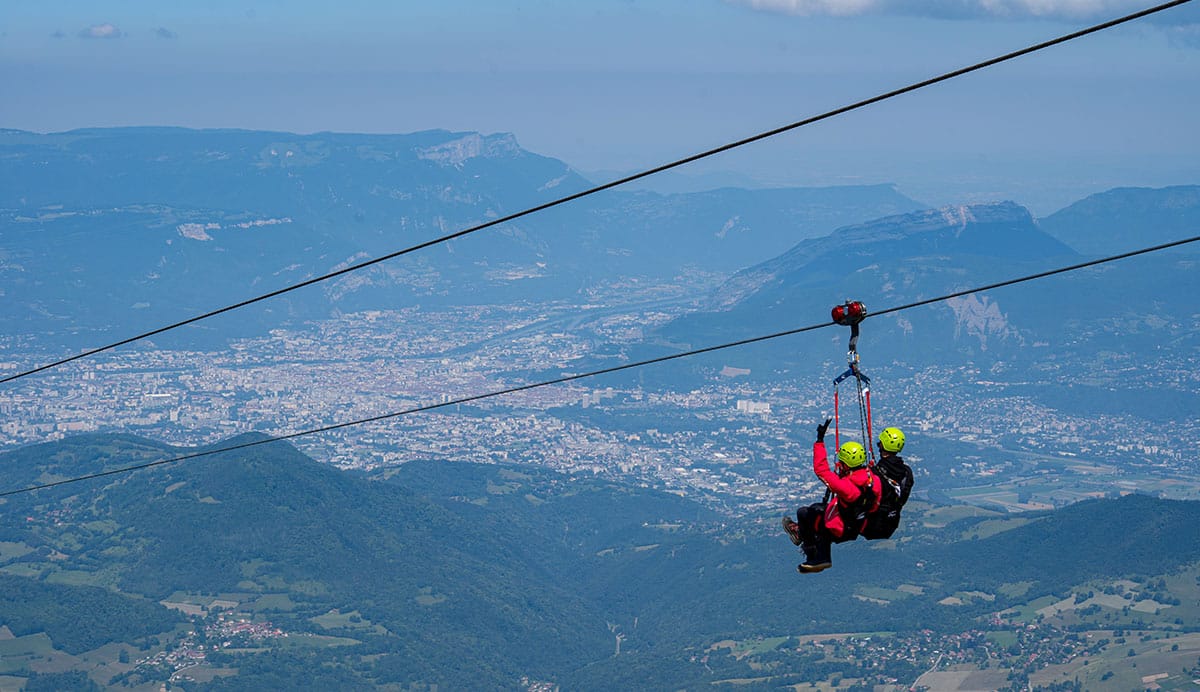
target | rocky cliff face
[{"x": 457, "y": 151}]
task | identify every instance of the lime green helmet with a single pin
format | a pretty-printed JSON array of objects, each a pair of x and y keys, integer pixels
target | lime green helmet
[
  {"x": 852, "y": 455},
  {"x": 891, "y": 440}
]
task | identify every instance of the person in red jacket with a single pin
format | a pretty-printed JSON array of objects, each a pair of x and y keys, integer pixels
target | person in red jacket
[{"x": 853, "y": 493}]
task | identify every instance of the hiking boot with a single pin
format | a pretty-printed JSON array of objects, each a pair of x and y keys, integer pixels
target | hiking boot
[
  {"x": 816, "y": 558},
  {"x": 793, "y": 530}
]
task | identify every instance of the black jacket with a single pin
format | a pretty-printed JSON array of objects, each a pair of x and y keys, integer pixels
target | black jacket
[
  {"x": 894, "y": 469},
  {"x": 896, "y": 483}
]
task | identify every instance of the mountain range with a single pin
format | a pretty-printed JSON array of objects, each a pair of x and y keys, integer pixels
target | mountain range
[
  {"x": 141, "y": 226},
  {"x": 113, "y": 231},
  {"x": 472, "y": 576},
  {"x": 1118, "y": 220},
  {"x": 1142, "y": 306}
]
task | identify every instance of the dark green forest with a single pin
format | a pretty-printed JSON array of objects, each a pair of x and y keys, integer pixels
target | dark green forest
[{"x": 464, "y": 575}]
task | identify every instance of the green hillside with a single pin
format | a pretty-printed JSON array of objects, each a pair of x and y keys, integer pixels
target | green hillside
[{"x": 467, "y": 576}]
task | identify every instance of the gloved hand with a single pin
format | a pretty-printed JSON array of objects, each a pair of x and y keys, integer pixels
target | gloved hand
[{"x": 821, "y": 428}]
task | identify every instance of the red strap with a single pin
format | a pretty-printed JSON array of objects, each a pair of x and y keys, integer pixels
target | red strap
[
  {"x": 837, "y": 433},
  {"x": 870, "y": 441}
]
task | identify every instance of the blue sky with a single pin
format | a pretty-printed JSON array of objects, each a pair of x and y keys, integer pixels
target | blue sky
[{"x": 617, "y": 85}]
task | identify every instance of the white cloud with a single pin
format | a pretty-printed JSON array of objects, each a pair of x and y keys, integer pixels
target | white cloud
[
  {"x": 1070, "y": 9},
  {"x": 101, "y": 31},
  {"x": 836, "y": 8},
  {"x": 1013, "y": 9}
]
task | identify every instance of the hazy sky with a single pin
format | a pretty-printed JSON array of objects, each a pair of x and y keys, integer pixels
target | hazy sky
[{"x": 610, "y": 85}]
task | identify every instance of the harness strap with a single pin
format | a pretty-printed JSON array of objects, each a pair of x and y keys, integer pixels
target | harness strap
[
  {"x": 837, "y": 433},
  {"x": 864, "y": 402}
]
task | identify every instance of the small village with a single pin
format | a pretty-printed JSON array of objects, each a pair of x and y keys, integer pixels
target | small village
[{"x": 218, "y": 631}]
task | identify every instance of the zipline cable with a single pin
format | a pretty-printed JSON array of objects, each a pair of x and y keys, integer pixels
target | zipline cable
[
  {"x": 615, "y": 183},
  {"x": 595, "y": 373}
]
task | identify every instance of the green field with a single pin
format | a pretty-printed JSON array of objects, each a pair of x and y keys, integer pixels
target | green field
[
  {"x": 351, "y": 620},
  {"x": 274, "y": 601},
  {"x": 1016, "y": 589},
  {"x": 252, "y": 567},
  {"x": 1028, "y": 612},
  {"x": 78, "y": 578},
  {"x": 1070, "y": 481},
  {"x": 12, "y": 551},
  {"x": 964, "y": 678},
  {"x": 31, "y": 645},
  {"x": 25, "y": 569},
  {"x": 1115, "y": 669},
  {"x": 750, "y": 647},
  {"x": 502, "y": 488},
  {"x": 883, "y": 594},
  {"x": 314, "y": 641},
  {"x": 992, "y": 527}
]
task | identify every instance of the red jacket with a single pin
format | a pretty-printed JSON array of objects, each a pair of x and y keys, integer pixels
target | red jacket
[{"x": 847, "y": 491}]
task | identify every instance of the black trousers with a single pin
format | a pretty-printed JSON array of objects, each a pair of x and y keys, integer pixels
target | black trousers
[{"x": 815, "y": 539}]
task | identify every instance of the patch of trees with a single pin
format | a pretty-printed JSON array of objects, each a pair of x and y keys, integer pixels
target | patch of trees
[{"x": 78, "y": 618}]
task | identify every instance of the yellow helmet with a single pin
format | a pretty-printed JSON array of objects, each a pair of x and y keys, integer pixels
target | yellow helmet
[
  {"x": 891, "y": 440},
  {"x": 852, "y": 455}
]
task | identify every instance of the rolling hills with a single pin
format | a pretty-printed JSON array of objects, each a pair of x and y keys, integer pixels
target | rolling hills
[{"x": 460, "y": 574}]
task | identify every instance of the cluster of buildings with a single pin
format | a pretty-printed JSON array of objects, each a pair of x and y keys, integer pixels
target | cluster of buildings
[
  {"x": 220, "y": 632},
  {"x": 721, "y": 437},
  {"x": 1016, "y": 653}
]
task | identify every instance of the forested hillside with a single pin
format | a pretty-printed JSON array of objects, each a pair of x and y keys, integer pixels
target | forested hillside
[{"x": 455, "y": 574}]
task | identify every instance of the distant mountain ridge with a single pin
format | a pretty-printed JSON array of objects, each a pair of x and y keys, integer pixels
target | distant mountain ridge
[
  {"x": 907, "y": 258},
  {"x": 1000, "y": 231},
  {"x": 1127, "y": 218},
  {"x": 138, "y": 226},
  {"x": 887, "y": 262}
]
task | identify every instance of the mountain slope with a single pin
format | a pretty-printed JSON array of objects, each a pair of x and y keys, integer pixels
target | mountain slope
[
  {"x": 479, "y": 575},
  {"x": 141, "y": 226},
  {"x": 136, "y": 226},
  {"x": 270, "y": 516},
  {"x": 724, "y": 229},
  {"x": 79, "y": 618},
  {"x": 1127, "y": 218},
  {"x": 908, "y": 258}
]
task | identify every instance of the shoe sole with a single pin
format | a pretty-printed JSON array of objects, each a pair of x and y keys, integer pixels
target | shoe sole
[
  {"x": 811, "y": 569},
  {"x": 794, "y": 537}
]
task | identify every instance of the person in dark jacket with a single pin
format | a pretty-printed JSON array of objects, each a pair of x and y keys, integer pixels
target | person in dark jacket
[
  {"x": 853, "y": 492},
  {"x": 896, "y": 482}
]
